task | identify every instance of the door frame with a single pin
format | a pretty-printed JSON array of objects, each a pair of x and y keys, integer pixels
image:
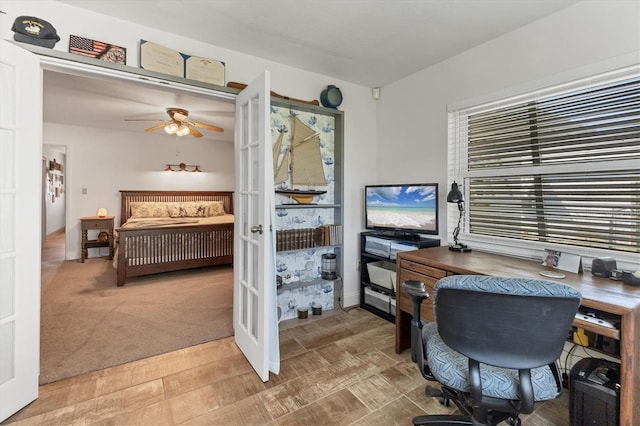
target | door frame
[{"x": 50, "y": 60}]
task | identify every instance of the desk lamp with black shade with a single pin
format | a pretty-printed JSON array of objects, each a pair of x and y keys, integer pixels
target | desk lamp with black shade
[{"x": 455, "y": 196}]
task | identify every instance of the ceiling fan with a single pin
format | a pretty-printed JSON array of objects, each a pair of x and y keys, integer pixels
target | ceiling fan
[{"x": 179, "y": 124}]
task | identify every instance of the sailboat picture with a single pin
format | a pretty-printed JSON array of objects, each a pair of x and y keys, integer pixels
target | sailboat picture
[{"x": 301, "y": 168}]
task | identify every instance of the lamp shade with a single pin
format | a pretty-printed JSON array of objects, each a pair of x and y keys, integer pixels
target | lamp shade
[{"x": 454, "y": 195}]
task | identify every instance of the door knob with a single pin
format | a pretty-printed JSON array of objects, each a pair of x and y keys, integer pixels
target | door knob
[{"x": 257, "y": 229}]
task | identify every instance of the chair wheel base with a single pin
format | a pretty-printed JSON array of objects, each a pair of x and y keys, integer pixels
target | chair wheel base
[
  {"x": 450, "y": 420},
  {"x": 432, "y": 392}
]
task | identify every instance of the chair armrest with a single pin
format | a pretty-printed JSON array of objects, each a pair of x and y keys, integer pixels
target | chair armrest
[{"x": 415, "y": 289}]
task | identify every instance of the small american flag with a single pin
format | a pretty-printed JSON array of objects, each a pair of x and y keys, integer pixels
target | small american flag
[
  {"x": 86, "y": 46},
  {"x": 95, "y": 49}
]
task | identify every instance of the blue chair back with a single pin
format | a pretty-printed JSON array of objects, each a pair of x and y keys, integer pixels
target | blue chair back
[{"x": 506, "y": 322}]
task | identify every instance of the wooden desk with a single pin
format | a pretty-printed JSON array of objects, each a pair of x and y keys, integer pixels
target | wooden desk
[
  {"x": 608, "y": 296},
  {"x": 98, "y": 223}
]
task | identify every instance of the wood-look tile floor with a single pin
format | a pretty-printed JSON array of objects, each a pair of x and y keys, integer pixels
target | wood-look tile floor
[{"x": 337, "y": 369}]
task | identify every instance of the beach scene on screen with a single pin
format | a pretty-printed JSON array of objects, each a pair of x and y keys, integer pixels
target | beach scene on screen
[{"x": 406, "y": 207}]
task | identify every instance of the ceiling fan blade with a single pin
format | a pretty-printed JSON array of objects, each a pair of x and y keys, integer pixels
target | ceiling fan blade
[
  {"x": 157, "y": 127},
  {"x": 195, "y": 133},
  {"x": 206, "y": 126}
]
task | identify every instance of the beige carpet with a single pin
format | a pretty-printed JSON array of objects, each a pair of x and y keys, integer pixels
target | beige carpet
[{"x": 88, "y": 323}]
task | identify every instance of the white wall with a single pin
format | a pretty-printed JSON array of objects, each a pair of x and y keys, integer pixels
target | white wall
[
  {"x": 358, "y": 105},
  {"x": 412, "y": 113}
]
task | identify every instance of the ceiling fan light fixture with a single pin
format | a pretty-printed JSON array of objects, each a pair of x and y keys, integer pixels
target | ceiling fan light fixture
[
  {"x": 183, "y": 130},
  {"x": 171, "y": 128}
]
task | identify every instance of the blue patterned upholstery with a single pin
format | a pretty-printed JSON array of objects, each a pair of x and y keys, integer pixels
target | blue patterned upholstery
[
  {"x": 504, "y": 285},
  {"x": 451, "y": 368}
]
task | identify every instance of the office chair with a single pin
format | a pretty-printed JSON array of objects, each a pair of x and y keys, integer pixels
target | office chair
[{"x": 494, "y": 345}]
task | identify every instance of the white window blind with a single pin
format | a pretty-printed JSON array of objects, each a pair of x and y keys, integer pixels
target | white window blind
[{"x": 559, "y": 166}]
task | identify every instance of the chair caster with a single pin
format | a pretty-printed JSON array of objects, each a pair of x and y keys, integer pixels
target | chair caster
[
  {"x": 433, "y": 392},
  {"x": 514, "y": 421}
]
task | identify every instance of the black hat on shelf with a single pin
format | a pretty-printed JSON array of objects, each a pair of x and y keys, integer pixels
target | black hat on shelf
[{"x": 32, "y": 30}]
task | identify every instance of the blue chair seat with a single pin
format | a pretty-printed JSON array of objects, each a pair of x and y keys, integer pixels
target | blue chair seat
[{"x": 452, "y": 368}]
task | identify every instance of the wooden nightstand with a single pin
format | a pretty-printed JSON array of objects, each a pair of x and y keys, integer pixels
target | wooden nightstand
[{"x": 96, "y": 223}]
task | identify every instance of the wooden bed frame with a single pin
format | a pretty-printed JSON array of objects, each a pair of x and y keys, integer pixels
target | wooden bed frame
[{"x": 151, "y": 250}]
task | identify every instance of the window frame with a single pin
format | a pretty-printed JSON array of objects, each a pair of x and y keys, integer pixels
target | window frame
[{"x": 458, "y": 171}]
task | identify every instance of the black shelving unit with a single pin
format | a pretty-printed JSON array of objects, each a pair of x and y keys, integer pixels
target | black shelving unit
[{"x": 368, "y": 257}]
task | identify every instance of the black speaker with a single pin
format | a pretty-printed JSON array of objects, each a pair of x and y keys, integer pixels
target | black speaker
[{"x": 602, "y": 266}]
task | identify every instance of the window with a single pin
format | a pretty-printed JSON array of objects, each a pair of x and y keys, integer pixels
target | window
[{"x": 560, "y": 166}]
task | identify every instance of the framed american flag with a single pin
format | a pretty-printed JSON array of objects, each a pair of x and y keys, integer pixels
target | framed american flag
[{"x": 97, "y": 49}]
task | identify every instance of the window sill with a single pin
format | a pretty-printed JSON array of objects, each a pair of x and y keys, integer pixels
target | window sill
[{"x": 533, "y": 250}]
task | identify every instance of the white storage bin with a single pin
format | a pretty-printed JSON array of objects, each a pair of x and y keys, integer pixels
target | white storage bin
[
  {"x": 376, "y": 299},
  {"x": 383, "y": 274}
]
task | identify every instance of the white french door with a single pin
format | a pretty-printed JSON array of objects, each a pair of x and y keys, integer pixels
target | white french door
[
  {"x": 255, "y": 319},
  {"x": 20, "y": 174},
  {"x": 254, "y": 302}
]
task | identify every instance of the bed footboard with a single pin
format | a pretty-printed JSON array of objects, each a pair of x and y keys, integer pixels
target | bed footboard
[{"x": 152, "y": 250}]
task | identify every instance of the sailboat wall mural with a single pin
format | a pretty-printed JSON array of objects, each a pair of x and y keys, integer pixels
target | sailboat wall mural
[{"x": 302, "y": 155}]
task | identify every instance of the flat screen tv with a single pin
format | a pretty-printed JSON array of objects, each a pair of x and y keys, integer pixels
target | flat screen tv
[{"x": 406, "y": 210}]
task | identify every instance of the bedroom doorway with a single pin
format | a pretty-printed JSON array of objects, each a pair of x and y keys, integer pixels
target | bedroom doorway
[
  {"x": 96, "y": 276},
  {"x": 54, "y": 202}
]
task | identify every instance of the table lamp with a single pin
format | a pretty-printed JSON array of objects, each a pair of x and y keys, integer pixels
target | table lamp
[{"x": 455, "y": 196}]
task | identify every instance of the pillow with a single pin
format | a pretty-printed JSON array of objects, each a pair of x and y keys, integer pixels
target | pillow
[
  {"x": 196, "y": 209},
  {"x": 188, "y": 209},
  {"x": 141, "y": 209},
  {"x": 216, "y": 208}
]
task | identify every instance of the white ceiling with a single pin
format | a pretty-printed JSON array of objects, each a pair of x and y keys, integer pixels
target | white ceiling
[
  {"x": 105, "y": 104},
  {"x": 367, "y": 42}
]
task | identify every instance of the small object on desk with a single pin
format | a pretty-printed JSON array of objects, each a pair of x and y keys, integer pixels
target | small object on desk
[
  {"x": 603, "y": 266},
  {"x": 102, "y": 212},
  {"x": 616, "y": 274},
  {"x": 462, "y": 248},
  {"x": 552, "y": 274},
  {"x": 631, "y": 278}
]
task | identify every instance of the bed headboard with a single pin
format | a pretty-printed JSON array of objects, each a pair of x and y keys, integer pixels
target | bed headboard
[{"x": 126, "y": 197}]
